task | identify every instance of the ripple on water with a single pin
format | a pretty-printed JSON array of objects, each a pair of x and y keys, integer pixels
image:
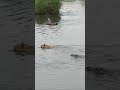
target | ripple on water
[{"x": 60, "y": 57}]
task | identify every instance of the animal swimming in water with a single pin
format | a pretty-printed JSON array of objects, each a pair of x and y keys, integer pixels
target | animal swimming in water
[
  {"x": 77, "y": 56},
  {"x": 96, "y": 70},
  {"x": 23, "y": 48},
  {"x": 44, "y": 46},
  {"x": 50, "y": 22}
]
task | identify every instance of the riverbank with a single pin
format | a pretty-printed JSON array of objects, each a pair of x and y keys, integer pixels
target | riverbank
[{"x": 47, "y": 6}]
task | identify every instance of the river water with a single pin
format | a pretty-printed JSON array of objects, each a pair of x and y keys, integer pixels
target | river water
[
  {"x": 100, "y": 55},
  {"x": 55, "y": 68},
  {"x": 17, "y": 25}
]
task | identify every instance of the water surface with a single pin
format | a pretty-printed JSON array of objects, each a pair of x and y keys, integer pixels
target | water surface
[
  {"x": 56, "y": 69},
  {"x": 16, "y": 24}
]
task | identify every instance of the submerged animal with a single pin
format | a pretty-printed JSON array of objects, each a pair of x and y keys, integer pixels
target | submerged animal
[
  {"x": 96, "y": 70},
  {"x": 23, "y": 48},
  {"x": 76, "y": 56}
]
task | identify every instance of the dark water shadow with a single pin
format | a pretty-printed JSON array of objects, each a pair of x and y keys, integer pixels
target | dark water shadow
[{"x": 41, "y": 19}]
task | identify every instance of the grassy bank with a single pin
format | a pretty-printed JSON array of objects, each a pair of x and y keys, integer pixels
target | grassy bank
[{"x": 47, "y": 6}]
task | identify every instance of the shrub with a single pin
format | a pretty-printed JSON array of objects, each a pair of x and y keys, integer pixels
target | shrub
[{"x": 47, "y": 6}]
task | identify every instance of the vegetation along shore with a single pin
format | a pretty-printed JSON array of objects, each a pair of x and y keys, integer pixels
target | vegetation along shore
[{"x": 47, "y": 6}]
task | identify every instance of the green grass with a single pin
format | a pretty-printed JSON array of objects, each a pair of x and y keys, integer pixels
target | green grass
[{"x": 47, "y": 6}]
